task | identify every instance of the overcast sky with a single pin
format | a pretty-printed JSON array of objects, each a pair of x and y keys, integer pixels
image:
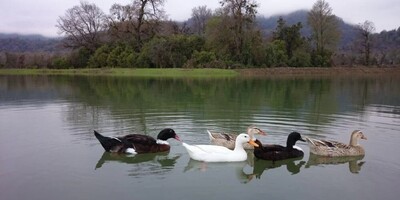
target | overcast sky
[{"x": 40, "y": 16}]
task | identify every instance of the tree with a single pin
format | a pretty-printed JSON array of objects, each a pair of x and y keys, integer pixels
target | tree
[
  {"x": 290, "y": 35},
  {"x": 366, "y": 30},
  {"x": 120, "y": 22},
  {"x": 232, "y": 33},
  {"x": 141, "y": 17},
  {"x": 173, "y": 51},
  {"x": 200, "y": 15},
  {"x": 243, "y": 13},
  {"x": 325, "y": 32},
  {"x": 3, "y": 59},
  {"x": 276, "y": 55},
  {"x": 82, "y": 25}
]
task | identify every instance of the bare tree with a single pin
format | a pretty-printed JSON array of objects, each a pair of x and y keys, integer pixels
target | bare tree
[
  {"x": 121, "y": 21},
  {"x": 147, "y": 12},
  {"x": 324, "y": 26},
  {"x": 243, "y": 13},
  {"x": 82, "y": 25},
  {"x": 200, "y": 15},
  {"x": 141, "y": 18},
  {"x": 366, "y": 30}
]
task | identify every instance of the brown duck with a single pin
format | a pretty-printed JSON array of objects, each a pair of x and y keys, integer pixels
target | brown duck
[{"x": 334, "y": 148}]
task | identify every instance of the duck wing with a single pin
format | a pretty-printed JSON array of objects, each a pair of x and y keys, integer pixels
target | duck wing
[
  {"x": 326, "y": 143},
  {"x": 139, "y": 139},
  {"x": 222, "y": 136},
  {"x": 273, "y": 147},
  {"x": 213, "y": 149},
  {"x": 339, "y": 145},
  {"x": 144, "y": 143}
]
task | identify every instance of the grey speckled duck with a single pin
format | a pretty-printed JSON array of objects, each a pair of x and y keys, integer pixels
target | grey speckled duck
[
  {"x": 334, "y": 148},
  {"x": 228, "y": 139}
]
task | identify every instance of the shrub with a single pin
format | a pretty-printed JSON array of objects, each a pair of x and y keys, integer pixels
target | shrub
[{"x": 60, "y": 63}]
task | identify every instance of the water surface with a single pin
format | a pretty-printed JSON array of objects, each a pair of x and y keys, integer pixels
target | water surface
[{"x": 49, "y": 151}]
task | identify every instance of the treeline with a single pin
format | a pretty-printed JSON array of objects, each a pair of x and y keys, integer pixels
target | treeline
[{"x": 138, "y": 35}]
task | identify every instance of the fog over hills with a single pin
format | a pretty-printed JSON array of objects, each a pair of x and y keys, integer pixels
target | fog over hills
[{"x": 35, "y": 42}]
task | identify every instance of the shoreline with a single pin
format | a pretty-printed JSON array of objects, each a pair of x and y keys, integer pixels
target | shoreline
[
  {"x": 319, "y": 71},
  {"x": 213, "y": 72}
]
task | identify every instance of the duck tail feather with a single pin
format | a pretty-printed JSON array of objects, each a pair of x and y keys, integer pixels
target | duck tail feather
[
  {"x": 310, "y": 141},
  {"x": 189, "y": 148},
  {"x": 210, "y": 135},
  {"x": 107, "y": 142}
]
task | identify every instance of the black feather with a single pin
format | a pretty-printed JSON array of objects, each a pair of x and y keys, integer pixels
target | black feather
[{"x": 108, "y": 143}]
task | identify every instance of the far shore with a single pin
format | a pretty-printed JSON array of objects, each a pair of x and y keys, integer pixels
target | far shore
[
  {"x": 212, "y": 72},
  {"x": 320, "y": 71}
]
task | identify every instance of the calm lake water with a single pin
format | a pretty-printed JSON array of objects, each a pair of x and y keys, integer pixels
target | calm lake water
[{"x": 49, "y": 151}]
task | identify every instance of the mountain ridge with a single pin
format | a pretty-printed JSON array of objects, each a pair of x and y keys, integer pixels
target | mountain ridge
[{"x": 14, "y": 42}]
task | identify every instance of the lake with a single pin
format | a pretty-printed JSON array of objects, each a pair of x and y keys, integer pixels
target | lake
[{"x": 49, "y": 151}]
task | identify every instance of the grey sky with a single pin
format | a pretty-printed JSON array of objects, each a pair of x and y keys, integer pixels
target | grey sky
[{"x": 40, "y": 16}]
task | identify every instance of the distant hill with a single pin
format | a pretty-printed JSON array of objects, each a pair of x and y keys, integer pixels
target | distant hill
[
  {"x": 268, "y": 25},
  {"x": 29, "y": 43},
  {"x": 384, "y": 40}
]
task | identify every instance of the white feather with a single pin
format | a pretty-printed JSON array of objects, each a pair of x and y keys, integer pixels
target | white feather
[
  {"x": 298, "y": 148},
  {"x": 213, "y": 153},
  {"x": 131, "y": 151},
  {"x": 162, "y": 142}
]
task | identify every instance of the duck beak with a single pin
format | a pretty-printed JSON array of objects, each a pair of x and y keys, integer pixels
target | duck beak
[
  {"x": 301, "y": 139},
  {"x": 262, "y": 133},
  {"x": 363, "y": 137},
  {"x": 251, "y": 142},
  {"x": 177, "y": 138}
]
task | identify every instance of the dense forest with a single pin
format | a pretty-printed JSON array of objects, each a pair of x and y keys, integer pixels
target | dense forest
[{"x": 138, "y": 35}]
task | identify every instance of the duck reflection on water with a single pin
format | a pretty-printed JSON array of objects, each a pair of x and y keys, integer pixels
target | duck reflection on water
[
  {"x": 245, "y": 171},
  {"x": 355, "y": 162},
  {"x": 151, "y": 163},
  {"x": 230, "y": 168},
  {"x": 263, "y": 165}
]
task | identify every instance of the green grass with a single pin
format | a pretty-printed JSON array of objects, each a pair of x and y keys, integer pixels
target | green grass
[{"x": 143, "y": 72}]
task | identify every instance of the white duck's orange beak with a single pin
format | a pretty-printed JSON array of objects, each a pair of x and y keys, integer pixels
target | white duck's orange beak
[{"x": 252, "y": 143}]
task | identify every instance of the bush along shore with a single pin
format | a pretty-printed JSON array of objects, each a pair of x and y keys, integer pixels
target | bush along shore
[
  {"x": 142, "y": 72},
  {"x": 236, "y": 38}
]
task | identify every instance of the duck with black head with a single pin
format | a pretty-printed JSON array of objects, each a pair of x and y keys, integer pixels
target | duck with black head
[
  {"x": 137, "y": 143},
  {"x": 278, "y": 152}
]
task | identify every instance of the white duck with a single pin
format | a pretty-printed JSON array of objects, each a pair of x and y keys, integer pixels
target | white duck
[{"x": 214, "y": 153}]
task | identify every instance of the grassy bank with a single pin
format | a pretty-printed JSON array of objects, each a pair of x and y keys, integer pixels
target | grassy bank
[
  {"x": 195, "y": 73},
  {"x": 210, "y": 73}
]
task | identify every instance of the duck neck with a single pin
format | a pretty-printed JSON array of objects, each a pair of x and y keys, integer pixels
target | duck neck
[
  {"x": 159, "y": 141},
  {"x": 353, "y": 141},
  {"x": 238, "y": 147},
  {"x": 250, "y": 133},
  {"x": 290, "y": 144}
]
